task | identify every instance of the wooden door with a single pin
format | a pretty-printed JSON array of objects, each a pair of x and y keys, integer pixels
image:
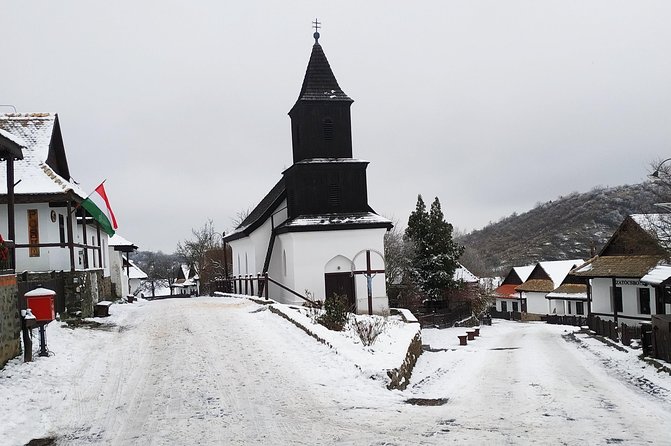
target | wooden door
[{"x": 341, "y": 284}]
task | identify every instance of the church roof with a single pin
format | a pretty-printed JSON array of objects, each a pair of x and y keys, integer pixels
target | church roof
[
  {"x": 320, "y": 83},
  {"x": 260, "y": 213}
]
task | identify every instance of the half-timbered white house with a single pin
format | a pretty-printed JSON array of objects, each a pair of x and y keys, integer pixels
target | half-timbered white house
[{"x": 630, "y": 276}]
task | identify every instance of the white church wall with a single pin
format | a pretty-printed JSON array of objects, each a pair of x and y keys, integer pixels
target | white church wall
[{"x": 309, "y": 253}]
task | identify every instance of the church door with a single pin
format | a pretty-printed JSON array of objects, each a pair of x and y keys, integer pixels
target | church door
[{"x": 341, "y": 284}]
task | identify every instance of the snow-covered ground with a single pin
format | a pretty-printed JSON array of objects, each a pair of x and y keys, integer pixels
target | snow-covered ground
[{"x": 222, "y": 370}]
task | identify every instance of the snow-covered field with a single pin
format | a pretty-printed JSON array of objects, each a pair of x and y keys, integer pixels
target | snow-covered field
[{"x": 219, "y": 371}]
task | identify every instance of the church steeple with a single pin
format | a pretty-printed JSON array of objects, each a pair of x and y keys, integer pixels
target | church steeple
[{"x": 320, "y": 119}]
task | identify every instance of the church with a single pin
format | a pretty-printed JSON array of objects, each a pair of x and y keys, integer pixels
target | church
[{"x": 314, "y": 232}]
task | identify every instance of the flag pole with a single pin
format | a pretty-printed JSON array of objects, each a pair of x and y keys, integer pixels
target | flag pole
[{"x": 79, "y": 204}]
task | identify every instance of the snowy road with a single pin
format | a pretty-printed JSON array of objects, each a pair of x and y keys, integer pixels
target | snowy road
[
  {"x": 219, "y": 371},
  {"x": 534, "y": 381}
]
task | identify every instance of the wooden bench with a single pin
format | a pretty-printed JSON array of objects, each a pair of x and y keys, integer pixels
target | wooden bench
[
  {"x": 462, "y": 339},
  {"x": 102, "y": 308}
]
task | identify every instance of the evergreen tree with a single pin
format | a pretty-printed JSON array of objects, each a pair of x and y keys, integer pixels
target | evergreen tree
[{"x": 436, "y": 254}]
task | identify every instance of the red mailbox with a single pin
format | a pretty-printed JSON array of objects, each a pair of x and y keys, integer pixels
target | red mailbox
[{"x": 41, "y": 304}]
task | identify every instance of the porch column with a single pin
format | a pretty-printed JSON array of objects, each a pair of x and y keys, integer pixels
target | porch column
[
  {"x": 100, "y": 245},
  {"x": 86, "y": 242},
  {"x": 71, "y": 245}
]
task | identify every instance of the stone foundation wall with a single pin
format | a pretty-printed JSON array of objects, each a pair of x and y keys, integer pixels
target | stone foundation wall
[
  {"x": 77, "y": 292},
  {"x": 10, "y": 324}
]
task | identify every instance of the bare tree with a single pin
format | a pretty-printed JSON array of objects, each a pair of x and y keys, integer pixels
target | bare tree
[
  {"x": 160, "y": 269},
  {"x": 194, "y": 250},
  {"x": 240, "y": 216}
]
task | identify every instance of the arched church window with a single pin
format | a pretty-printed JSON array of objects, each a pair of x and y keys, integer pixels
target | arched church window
[{"x": 327, "y": 126}]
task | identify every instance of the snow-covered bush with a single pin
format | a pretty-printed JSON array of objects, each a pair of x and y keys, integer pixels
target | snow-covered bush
[{"x": 369, "y": 328}]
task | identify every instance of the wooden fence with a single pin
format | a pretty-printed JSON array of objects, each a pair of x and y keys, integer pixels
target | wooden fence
[{"x": 250, "y": 285}]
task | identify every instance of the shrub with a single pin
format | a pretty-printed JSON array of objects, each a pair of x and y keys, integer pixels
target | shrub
[
  {"x": 368, "y": 329},
  {"x": 335, "y": 313}
]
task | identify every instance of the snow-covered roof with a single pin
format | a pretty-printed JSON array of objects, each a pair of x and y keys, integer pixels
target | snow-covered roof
[
  {"x": 658, "y": 274},
  {"x": 331, "y": 160},
  {"x": 461, "y": 273},
  {"x": 524, "y": 271},
  {"x": 134, "y": 271},
  {"x": 337, "y": 219},
  {"x": 117, "y": 240},
  {"x": 34, "y": 131},
  {"x": 13, "y": 138},
  {"x": 558, "y": 269}
]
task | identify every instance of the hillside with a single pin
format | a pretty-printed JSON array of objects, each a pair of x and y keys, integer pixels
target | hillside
[{"x": 566, "y": 228}]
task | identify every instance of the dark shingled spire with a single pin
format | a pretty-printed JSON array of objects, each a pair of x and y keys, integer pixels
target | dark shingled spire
[{"x": 320, "y": 84}]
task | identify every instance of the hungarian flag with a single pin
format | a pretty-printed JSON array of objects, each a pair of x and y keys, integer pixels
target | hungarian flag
[{"x": 98, "y": 205}]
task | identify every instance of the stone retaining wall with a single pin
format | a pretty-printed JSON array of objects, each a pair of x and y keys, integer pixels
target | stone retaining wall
[
  {"x": 400, "y": 377},
  {"x": 10, "y": 323}
]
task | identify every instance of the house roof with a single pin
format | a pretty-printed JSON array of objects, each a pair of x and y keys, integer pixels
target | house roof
[
  {"x": 618, "y": 266},
  {"x": 261, "y": 212},
  {"x": 657, "y": 275},
  {"x": 320, "y": 83},
  {"x": 523, "y": 272},
  {"x": 537, "y": 286},
  {"x": 506, "y": 291},
  {"x": 11, "y": 145},
  {"x": 577, "y": 291},
  {"x": 134, "y": 271},
  {"x": 461, "y": 273},
  {"x": 547, "y": 276},
  {"x": 43, "y": 156},
  {"x": 116, "y": 241}
]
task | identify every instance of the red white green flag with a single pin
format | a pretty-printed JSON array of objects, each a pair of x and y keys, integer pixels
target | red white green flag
[{"x": 98, "y": 205}]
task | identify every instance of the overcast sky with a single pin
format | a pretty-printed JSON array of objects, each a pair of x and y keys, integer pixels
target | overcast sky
[{"x": 493, "y": 106}]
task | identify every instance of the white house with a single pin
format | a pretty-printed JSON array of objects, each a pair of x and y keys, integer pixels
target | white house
[
  {"x": 543, "y": 279},
  {"x": 53, "y": 233},
  {"x": 314, "y": 232},
  {"x": 187, "y": 282},
  {"x": 630, "y": 276},
  {"x": 507, "y": 298},
  {"x": 135, "y": 276},
  {"x": 120, "y": 268}
]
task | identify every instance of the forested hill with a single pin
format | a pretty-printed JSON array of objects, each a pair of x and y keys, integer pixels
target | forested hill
[{"x": 561, "y": 229}]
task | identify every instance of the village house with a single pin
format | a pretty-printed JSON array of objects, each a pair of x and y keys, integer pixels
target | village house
[
  {"x": 570, "y": 298},
  {"x": 125, "y": 275},
  {"x": 506, "y": 297},
  {"x": 187, "y": 282},
  {"x": 314, "y": 232},
  {"x": 629, "y": 278},
  {"x": 545, "y": 278},
  {"x": 58, "y": 244}
]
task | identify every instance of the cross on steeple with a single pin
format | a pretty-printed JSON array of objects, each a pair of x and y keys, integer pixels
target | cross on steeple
[{"x": 316, "y": 25}]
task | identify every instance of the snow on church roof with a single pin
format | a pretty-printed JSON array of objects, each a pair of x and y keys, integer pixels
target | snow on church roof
[
  {"x": 337, "y": 219},
  {"x": 34, "y": 131}
]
